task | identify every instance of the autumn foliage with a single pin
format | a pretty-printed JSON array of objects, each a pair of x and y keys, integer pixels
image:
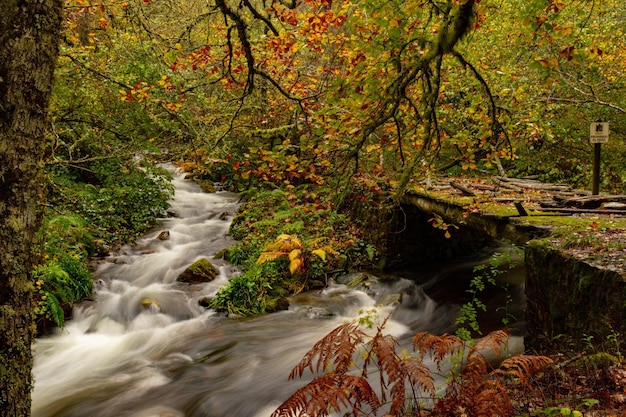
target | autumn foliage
[{"x": 366, "y": 375}]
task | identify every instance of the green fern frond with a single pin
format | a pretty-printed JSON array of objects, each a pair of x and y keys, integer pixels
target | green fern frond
[{"x": 55, "y": 311}]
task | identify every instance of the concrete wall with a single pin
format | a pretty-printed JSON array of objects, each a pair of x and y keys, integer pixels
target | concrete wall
[{"x": 570, "y": 303}]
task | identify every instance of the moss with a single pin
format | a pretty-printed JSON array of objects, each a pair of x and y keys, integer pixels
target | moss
[
  {"x": 502, "y": 221},
  {"x": 207, "y": 186},
  {"x": 570, "y": 299},
  {"x": 276, "y": 304},
  {"x": 200, "y": 271},
  {"x": 597, "y": 360}
]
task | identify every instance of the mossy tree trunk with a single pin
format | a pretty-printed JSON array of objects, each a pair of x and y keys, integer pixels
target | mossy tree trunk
[{"x": 29, "y": 36}]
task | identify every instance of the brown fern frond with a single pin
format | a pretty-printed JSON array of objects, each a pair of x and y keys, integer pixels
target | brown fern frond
[
  {"x": 439, "y": 347},
  {"x": 414, "y": 377},
  {"x": 347, "y": 392},
  {"x": 382, "y": 350},
  {"x": 336, "y": 348},
  {"x": 522, "y": 367},
  {"x": 330, "y": 393},
  {"x": 474, "y": 394},
  {"x": 476, "y": 369},
  {"x": 477, "y": 391},
  {"x": 490, "y": 400},
  {"x": 397, "y": 374},
  {"x": 419, "y": 375},
  {"x": 492, "y": 342}
]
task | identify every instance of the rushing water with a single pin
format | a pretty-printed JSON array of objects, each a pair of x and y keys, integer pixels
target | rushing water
[{"x": 145, "y": 348}]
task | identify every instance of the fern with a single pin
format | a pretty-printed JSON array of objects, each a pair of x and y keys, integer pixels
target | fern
[
  {"x": 520, "y": 367},
  {"x": 476, "y": 390},
  {"x": 328, "y": 393},
  {"x": 292, "y": 248},
  {"x": 480, "y": 389},
  {"x": 395, "y": 371},
  {"x": 54, "y": 310},
  {"x": 439, "y": 347},
  {"x": 336, "y": 349}
]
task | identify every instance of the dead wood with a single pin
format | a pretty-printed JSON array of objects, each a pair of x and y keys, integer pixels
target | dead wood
[
  {"x": 593, "y": 201},
  {"x": 466, "y": 191},
  {"x": 580, "y": 210},
  {"x": 505, "y": 184}
]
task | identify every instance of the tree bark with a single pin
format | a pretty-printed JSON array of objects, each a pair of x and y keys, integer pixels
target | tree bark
[{"x": 29, "y": 37}]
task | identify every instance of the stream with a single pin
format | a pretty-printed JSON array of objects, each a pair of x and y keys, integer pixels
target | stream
[{"x": 144, "y": 347}]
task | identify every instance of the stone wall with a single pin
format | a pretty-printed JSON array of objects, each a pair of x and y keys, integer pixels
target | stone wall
[
  {"x": 413, "y": 240},
  {"x": 570, "y": 302}
]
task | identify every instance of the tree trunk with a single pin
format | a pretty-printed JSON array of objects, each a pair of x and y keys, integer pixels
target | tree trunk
[{"x": 29, "y": 39}]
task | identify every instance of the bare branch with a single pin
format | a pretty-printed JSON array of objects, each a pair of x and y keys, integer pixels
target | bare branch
[{"x": 586, "y": 97}]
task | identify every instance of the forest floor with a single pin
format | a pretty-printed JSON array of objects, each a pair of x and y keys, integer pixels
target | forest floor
[
  {"x": 592, "y": 387},
  {"x": 584, "y": 386}
]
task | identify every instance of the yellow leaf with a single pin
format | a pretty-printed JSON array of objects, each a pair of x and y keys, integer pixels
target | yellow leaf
[
  {"x": 294, "y": 254},
  {"x": 294, "y": 265},
  {"x": 245, "y": 175},
  {"x": 447, "y": 235},
  {"x": 321, "y": 253}
]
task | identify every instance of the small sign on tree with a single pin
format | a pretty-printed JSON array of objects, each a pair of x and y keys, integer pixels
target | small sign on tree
[{"x": 599, "y": 132}]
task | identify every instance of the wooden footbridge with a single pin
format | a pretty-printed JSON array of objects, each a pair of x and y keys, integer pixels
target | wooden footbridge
[{"x": 513, "y": 209}]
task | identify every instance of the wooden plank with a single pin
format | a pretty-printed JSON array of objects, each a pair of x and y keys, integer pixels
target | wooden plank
[
  {"x": 580, "y": 210},
  {"x": 593, "y": 201},
  {"x": 466, "y": 191}
]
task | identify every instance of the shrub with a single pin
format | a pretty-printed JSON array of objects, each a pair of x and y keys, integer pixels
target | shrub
[{"x": 58, "y": 286}]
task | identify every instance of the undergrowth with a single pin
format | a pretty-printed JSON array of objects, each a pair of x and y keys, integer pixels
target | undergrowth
[
  {"x": 282, "y": 254},
  {"x": 291, "y": 236},
  {"x": 90, "y": 209}
]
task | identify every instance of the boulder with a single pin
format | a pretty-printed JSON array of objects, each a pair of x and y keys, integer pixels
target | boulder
[
  {"x": 277, "y": 304},
  {"x": 390, "y": 300},
  {"x": 200, "y": 271},
  {"x": 205, "y": 302},
  {"x": 149, "y": 303},
  {"x": 164, "y": 235}
]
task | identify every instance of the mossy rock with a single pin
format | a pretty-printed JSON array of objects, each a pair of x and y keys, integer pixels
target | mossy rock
[
  {"x": 205, "y": 302},
  {"x": 277, "y": 304},
  {"x": 597, "y": 360},
  {"x": 207, "y": 186},
  {"x": 317, "y": 284},
  {"x": 221, "y": 254},
  {"x": 353, "y": 280},
  {"x": 200, "y": 271}
]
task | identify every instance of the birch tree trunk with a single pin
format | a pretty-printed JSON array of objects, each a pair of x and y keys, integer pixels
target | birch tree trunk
[{"x": 29, "y": 37}]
